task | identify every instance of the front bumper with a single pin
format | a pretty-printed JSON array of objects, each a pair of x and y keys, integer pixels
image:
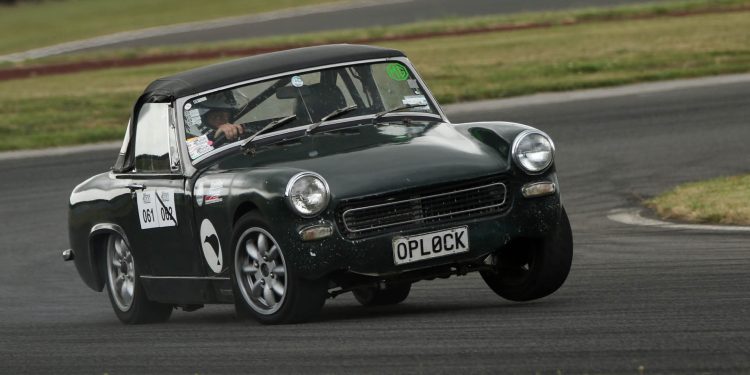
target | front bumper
[{"x": 373, "y": 256}]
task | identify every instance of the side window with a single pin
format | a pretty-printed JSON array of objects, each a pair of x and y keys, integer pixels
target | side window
[{"x": 152, "y": 139}]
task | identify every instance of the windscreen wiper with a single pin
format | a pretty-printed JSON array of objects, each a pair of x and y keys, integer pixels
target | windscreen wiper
[
  {"x": 271, "y": 125},
  {"x": 399, "y": 108},
  {"x": 331, "y": 115}
]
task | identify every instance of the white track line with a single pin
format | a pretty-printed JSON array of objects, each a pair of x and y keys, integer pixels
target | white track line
[
  {"x": 192, "y": 26},
  {"x": 632, "y": 216},
  {"x": 59, "y": 151}
]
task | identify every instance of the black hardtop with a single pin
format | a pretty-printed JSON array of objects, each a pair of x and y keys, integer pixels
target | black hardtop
[{"x": 247, "y": 68}]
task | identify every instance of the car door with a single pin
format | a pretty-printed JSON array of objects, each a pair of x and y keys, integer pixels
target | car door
[{"x": 158, "y": 215}]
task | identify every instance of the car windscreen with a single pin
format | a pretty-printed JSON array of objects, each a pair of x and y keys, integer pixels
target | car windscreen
[{"x": 309, "y": 97}]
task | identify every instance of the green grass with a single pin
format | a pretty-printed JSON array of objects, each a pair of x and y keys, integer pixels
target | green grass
[
  {"x": 582, "y": 56},
  {"x": 73, "y": 109},
  {"x": 70, "y": 109},
  {"x": 37, "y": 24},
  {"x": 46, "y": 121},
  {"x": 723, "y": 200},
  {"x": 443, "y": 25}
]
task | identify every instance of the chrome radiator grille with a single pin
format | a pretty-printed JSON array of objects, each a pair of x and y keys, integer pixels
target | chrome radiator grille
[{"x": 436, "y": 204}]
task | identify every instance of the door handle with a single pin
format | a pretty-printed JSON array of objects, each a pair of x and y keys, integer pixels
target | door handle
[{"x": 134, "y": 187}]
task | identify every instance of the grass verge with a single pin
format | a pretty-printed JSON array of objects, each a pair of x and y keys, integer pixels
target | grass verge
[
  {"x": 724, "y": 200},
  {"x": 94, "y": 106},
  {"x": 417, "y": 30},
  {"x": 38, "y": 24}
]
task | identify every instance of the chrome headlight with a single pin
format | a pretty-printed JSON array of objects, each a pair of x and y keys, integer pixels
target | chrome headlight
[
  {"x": 533, "y": 151},
  {"x": 307, "y": 193}
]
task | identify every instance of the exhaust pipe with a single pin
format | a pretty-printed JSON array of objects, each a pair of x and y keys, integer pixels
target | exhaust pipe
[{"x": 68, "y": 255}]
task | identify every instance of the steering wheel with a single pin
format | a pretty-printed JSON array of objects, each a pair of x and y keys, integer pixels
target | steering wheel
[
  {"x": 217, "y": 140},
  {"x": 221, "y": 139}
]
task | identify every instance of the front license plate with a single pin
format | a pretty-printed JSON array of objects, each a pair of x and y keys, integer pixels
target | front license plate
[{"x": 430, "y": 245}]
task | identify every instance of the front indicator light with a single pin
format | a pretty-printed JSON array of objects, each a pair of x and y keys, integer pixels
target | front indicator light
[
  {"x": 538, "y": 189},
  {"x": 316, "y": 232}
]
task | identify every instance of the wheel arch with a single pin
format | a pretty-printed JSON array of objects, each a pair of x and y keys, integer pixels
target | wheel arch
[
  {"x": 97, "y": 246},
  {"x": 243, "y": 209}
]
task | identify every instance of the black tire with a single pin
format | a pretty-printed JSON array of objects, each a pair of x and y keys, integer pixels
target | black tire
[
  {"x": 138, "y": 309},
  {"x": 532, "y": 269},
  {"x": 301, "y": 299},
  {"x": 391, "y": 295}
]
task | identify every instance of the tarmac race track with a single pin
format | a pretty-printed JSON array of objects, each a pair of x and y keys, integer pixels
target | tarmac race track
[
  {"x": 663, "y": 300},
  {"x": 358, "y": 14}
]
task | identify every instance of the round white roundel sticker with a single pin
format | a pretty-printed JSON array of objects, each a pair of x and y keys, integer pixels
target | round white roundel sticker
[
  {"x": 211, "y": 246},
  {"x": 297, "y": 81}
]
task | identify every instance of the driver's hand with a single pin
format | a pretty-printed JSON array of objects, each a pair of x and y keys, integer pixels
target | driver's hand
[{"x": 230, "y": 131}]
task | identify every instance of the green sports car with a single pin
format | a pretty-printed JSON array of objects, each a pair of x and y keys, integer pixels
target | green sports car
[{"x": 278, "y": 180}]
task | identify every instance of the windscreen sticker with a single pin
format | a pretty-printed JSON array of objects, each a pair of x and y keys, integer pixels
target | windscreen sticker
[
  {"x": 397, "y": 72},
  {"x": 414, "y": 100},
  {"x": 198, "y": 146},
  {"x": 199, "y": 100},
  {"x": 193, "y": 117},
  {"x": 156, "y": 208},
  {"x": 188, "y": 106},
  {"x": 297, "y": 81},
  {"x": 414, "y": 86},
  {"x": 211, "y": 246}
]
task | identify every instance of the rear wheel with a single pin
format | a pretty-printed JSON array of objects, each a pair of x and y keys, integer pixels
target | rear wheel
[
  {"x": 375, "y": 296},
  {"x": 124, "y": 287},
  {"x": 265, "y": 285},
  {"x": 533, "y": 269}
]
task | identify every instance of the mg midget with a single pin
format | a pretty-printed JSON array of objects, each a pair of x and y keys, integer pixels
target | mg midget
[{"x": 276, "y": 181}]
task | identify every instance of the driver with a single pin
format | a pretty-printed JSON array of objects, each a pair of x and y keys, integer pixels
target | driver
[{"x": 219, "y": 117}]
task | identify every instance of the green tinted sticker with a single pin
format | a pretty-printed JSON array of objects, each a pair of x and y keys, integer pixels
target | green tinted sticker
[{"x": 397, "y": 72}]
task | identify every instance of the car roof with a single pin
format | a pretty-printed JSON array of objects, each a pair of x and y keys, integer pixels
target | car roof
[{"x": 257, "y": 66}]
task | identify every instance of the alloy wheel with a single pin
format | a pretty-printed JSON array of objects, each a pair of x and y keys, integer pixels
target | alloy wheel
[
  {"x": 261, "y": 271},
  {"x": 121, "y": 273}
]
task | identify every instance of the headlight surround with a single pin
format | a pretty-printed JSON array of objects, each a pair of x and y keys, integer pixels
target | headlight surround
[
  {"x": 307, "y": 194},
  {"x": 533, "y": 151}
]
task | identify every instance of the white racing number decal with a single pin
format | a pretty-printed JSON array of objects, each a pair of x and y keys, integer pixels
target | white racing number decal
[
  {"x": 211, "y": 246},
  {"x": 152, "y": 213}
]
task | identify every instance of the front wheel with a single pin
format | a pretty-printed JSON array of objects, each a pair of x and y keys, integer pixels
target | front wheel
[
  {"x": 264, "y": 284},
  {"x": 125, "y": 292},
  {"x": 532, "y": 269}
]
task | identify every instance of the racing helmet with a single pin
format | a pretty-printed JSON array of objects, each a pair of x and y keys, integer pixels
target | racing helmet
[
  {"x": 197, "y": 110},
  {"x": 217, "y": 103}
]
